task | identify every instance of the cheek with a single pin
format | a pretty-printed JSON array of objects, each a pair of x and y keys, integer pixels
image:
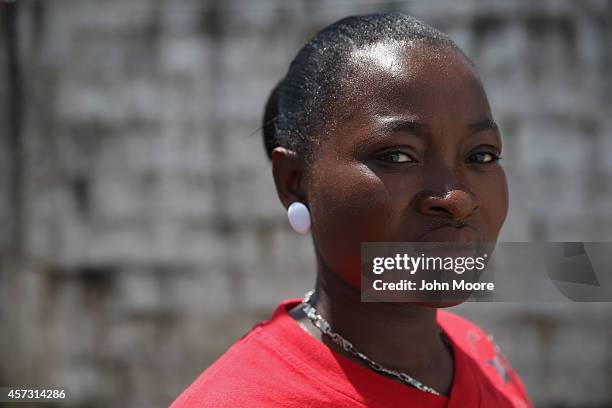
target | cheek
[
  {"x": 494, "y": 202},
  {"x": 350, "y": 205}
]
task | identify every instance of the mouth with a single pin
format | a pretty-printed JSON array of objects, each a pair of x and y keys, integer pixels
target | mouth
[
  {"x": 452, "y": 240},
  {"x": 463, "y": 233}
]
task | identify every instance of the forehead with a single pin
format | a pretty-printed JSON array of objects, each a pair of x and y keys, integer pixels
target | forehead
[{"x": 432, "y": 82}]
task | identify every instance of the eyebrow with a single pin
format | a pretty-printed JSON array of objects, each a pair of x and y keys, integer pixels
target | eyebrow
[
  {"x": 485, "y": 124},
  {"x": 421, "y": 129},
  {"x": 407, "y": 125}
]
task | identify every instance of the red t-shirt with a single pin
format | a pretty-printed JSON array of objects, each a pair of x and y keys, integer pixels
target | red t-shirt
[{"x": 278, "y": 364}]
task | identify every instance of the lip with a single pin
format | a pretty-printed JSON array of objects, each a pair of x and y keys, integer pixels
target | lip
[
  {"x": 450, "y": 233},
  {"x": 451, "y": 241}
]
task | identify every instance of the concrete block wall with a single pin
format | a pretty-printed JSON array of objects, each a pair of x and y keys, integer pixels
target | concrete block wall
[{"x": 151, "y": 234}]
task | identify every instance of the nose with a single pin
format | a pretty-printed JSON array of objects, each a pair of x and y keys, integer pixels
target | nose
[{"x": 455, "y": 204}]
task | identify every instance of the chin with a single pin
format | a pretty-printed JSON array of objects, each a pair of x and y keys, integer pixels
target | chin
[{"x": 435, "y": 304}]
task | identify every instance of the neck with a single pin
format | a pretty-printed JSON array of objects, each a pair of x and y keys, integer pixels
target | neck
[
  {"x": 392, "y": 334},
  {"x": 401, "y": 337}
]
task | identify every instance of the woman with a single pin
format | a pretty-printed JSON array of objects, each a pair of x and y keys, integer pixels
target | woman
[{"x": 381, "y": 131}]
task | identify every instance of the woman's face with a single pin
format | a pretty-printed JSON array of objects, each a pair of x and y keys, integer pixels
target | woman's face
[{"x": 412, "y": 159}]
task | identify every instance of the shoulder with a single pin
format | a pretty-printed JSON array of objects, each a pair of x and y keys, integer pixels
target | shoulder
[
  {"x": 460, "y": 329},
  {"x": 466, "y": 334},
  {"x": 255, "y": 371},
  {"x": 220, "y": 383},
  {"x": 487, "y": 361}
]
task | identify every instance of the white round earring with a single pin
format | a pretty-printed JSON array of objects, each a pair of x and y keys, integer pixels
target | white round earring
[{"x": 299, "y": 217}]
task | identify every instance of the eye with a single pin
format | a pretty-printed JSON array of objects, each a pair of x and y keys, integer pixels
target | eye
[
  {"x": 396, "y": 157},
  {"x": 483, "y": 157}
]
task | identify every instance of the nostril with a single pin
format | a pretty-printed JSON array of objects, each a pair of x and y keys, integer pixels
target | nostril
[{"x": 454, "y": 204}]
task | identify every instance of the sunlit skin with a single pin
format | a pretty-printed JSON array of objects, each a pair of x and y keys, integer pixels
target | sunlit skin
[{"x": 413, "y": 157}]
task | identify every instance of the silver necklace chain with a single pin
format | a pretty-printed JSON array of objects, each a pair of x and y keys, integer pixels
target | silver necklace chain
[{"x": 346, "y": 345}]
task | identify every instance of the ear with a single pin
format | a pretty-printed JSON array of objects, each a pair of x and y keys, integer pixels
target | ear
[{"x": 288, "y": 173}]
